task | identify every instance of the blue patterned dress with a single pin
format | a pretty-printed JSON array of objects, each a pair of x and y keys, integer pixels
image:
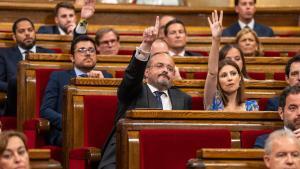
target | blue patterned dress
[{"x": 217, "y": 104}]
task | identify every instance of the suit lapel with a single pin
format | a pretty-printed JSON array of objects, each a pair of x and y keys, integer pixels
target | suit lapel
[
  {"x": 150, "y": 97},
  {"x": 17, "y": 53},
  {"x": 177, "y": 102}
]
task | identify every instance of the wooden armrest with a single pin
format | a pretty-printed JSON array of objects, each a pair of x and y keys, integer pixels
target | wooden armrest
[
  {"x": 2, "y": 96},
  {"x": 43, "y": 125},
  {"x": 93, "y": 154},
  {"x": 195, "y": 163}
]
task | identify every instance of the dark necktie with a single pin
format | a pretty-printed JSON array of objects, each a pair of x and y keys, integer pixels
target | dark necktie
[
  {"x": 83, "y": 75},
  {"x": 247, "y": 27},
  {"x": 158, "y": 99},
  {"x": 27, "y": 53}
]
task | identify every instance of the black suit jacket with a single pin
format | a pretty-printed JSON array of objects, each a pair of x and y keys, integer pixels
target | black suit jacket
[
  {"x": 188, "y": 53},
  {"x": 261, "y": 141},
  {"x": 48, "y": 30},
  {"x": 261, "y": 30},
  {"x": 132, "y": 94},
  {"x": 9, "y": 59},
  {"x": 51, "y": 107},
  {"x": 272, "y": 104}
]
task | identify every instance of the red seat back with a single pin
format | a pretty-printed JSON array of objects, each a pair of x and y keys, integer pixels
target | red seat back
[
  {"x": 99, "y": 113},
  {"x": 163, "y": 148},
  {"x": 257, "y": 75},
  {"x": 197, "y": 103},
  {"x": 248, "y": 137},
  {"x": 42, "y": 78},
  {"x": 200, "y": 75},
  {"x": 279, "y": 76}
]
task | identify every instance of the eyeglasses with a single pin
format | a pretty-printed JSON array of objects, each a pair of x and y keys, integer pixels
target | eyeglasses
[
  {"x": 161, "y": 66},
  {"x": 85, "y": 50},
  {"x": 107, "y": 42}
]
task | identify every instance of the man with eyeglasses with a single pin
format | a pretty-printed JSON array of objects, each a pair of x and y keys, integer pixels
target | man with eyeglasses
[
  {"x": 292, "y": 76},
  {"x": 107, "y": 41},
  {"x": 159, "y": 70},
  {"x": 83, "y": 50},
  {"x": 176, "y": 37}
]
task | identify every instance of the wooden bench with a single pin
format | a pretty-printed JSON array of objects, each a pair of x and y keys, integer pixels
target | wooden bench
[
  {"x": 282, "y": 45},
  {"x": 228, "y": 158},
  {"x": 137, "y": 120},
  {"x": 40, "y": 159},
  {"x": 123, "y": 14}
]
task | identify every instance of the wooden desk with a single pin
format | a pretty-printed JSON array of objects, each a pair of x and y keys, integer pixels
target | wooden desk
[{"x": 40, "y": 159}]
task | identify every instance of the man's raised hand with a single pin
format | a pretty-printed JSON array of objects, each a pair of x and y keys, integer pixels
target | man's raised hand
[
  {"x": 149, "y": 35},
  {"x": 215, "y": 24},
  {"x": 88, "y": 9}
]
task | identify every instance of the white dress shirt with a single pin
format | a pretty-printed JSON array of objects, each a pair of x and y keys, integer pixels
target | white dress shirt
[
  {"x": 23, "y": 51},
  {"x": 250, "y": 24},
  {"x": 171, "y": 53},
  {"x": 165, "y": 98}
]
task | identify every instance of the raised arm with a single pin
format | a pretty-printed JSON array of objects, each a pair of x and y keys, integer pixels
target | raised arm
[{"x": 215, "y": 23}]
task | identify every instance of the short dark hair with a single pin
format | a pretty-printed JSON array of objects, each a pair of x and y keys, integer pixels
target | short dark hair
[
  {"x": 285, "y": 93},
  {"x": 81, "y": 38},
  {"x": 6, "y": 135},
  {"x": 63, "y": 4},
  {"x": 224, "y": 51},
  {"x": 240, "y": 92},
  {"x": 236, "y": 2},
  {"x": 174, "y": 21},
  {"x": 15, "y": 24},
  {"x": 289, "y": 63},
  {"x": 100, "y": 33}
]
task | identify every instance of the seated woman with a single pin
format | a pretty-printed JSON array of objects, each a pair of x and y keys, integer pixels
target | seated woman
[
  {"x": 13, "y": 150},
  {"x": 234, "y": 53},
  {"x": 248, "y": 42},
  {"x": 224, "y": 82}
]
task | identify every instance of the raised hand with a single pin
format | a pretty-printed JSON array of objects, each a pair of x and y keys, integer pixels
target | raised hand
[
  {"x": 88, "y": 9},
  {"x": 215, "y": 24},
  {"x": 71, "y": 28},
  {"x": 149, "y": 36}
]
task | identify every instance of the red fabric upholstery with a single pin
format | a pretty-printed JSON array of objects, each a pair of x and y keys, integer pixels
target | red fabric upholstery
[
  {"x": 42, "y": 77},
  {"x": 99, "y": 113},
  {"x": 57, "y": 50},
  {"x": 279, "y": 76},
  {"x": 262, "y": 102},
  {"x": 197, "y": 103},
  {"x": 78, "y": 159},
  {"x": 271, "y": 53},
  {"x": 172, "y": 148},
  {"x": 35, "y": 140},
  {"x": 248, "y": 137},
  {"x": 200, "y": 75},
  {"x": 56, "y": 152},
  {"x": 183, "y": 74},
  {"x": 257, "y": 76},
  {"x": 125, "y": 52},
  {"x": 119, "y": 74},
  {"x": 8, "y": 123}
]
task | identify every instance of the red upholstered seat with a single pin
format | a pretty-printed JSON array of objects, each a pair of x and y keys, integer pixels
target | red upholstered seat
[
  {"x": 197, "y": 103},
  {"x": 125, "y": 52},
  {"x": 200, "y": 75},
  {"x": 262, "y": 103},
  {"x": 99, "y": 113},
  {"x": 8, "y": 123},
  {"x": 279, "y": 76},
  {"x": 248, "y": 137},
  {"x": 163, "y": 148},
  {"x": 119, "y": 74},
  {"x": 257, "y": 75}
]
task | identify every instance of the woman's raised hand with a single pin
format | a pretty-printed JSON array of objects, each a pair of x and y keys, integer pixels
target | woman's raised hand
[{"x": 215, "y": 23}]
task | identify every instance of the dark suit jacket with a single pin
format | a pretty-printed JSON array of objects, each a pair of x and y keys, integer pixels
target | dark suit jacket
[
  {"x": 48, "y": 30},
  {"x": 261, "y": 141},
  {"x": 272, "y": 104},
  {"x": 51, "y": 107},
  {"x": 188, "y": 53},
  {"x": 261, "y": 30},
  {"x": 132, "y": 94},
  {"x": 9, "y": 59}
]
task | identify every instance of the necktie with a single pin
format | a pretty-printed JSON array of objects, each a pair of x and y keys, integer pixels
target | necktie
[
  {"x": 158, "y": 99},
  {"x": 83, "y": 75},
  {"x": 247, "y": 27},
  {"x": 26, "y": 54}
]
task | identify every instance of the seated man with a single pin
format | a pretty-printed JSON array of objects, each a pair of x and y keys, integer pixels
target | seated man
[
  {"x": 83, "y": 50},
  {"x": 107, "y": 41},
  {"x": 162, "y": 24},
  {"x": 176, "y": 37},
  {"x": 289, "y": 105},
  {"x": 246, "y": 10},
  {"x": 157, "y": 92},
  {"x": 65, "y": 20},
  {"x": 282, "y": 150},
  {"x": 292, "y": 76},
  {"x": 25, "y": 38}
]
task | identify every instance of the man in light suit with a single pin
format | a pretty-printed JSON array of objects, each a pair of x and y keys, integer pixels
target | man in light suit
[
  {"x": 24, "y": 36},
  {"x": 65, "y": 20},
  {"x": 159, "y": 71},
  {"x": 83, "y": 50},
  {"x": 289, "y": 112},
  {"x": 246, "y": 10},
  {"x": 176, "y": 37},
  {"x": 292, "y": 76}
]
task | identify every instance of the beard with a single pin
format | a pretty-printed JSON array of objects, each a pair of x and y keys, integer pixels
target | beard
[
  {"x": 293, "y": 125},
  {"x": 27, "y": 43},
  {"x": 161, "y": 82}
]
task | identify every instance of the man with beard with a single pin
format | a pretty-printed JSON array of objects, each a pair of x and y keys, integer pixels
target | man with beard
[
  {"x": 84, "y": 60},
  {"x": 24, "y": 35},
  {"x": 289, "y": 111},
  {"x": 158, "y": 92},
  {"x": 292, "y": 76},
  {"x": 176, "y": 37},
  {"x": 246, "y": 10}
]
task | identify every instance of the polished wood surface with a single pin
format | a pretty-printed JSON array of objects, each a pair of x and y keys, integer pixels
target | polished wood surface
[
  {"x": 41, "y": 159},
  {"x": 136, "y": 120}
]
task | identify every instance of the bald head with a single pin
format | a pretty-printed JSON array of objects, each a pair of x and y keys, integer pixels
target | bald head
[{"x": 159, "y": 46}]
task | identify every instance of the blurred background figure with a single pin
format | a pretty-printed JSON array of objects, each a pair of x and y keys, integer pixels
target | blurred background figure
[{"x": 248, "y": 42}]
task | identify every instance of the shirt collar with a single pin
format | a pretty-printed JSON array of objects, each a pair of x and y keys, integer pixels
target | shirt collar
[
  {"x": 174, "y": 54},
  {"x": 250, "y": 24},
  {"x": 78, "y": 72},
  {"x": 154, "y": 89},
  {"x": 61, "y": 32},
  {"x": 33, "y": 49}
]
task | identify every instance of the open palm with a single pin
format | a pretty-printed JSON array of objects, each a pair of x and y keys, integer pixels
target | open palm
[{"x": 215, "y": 23}]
